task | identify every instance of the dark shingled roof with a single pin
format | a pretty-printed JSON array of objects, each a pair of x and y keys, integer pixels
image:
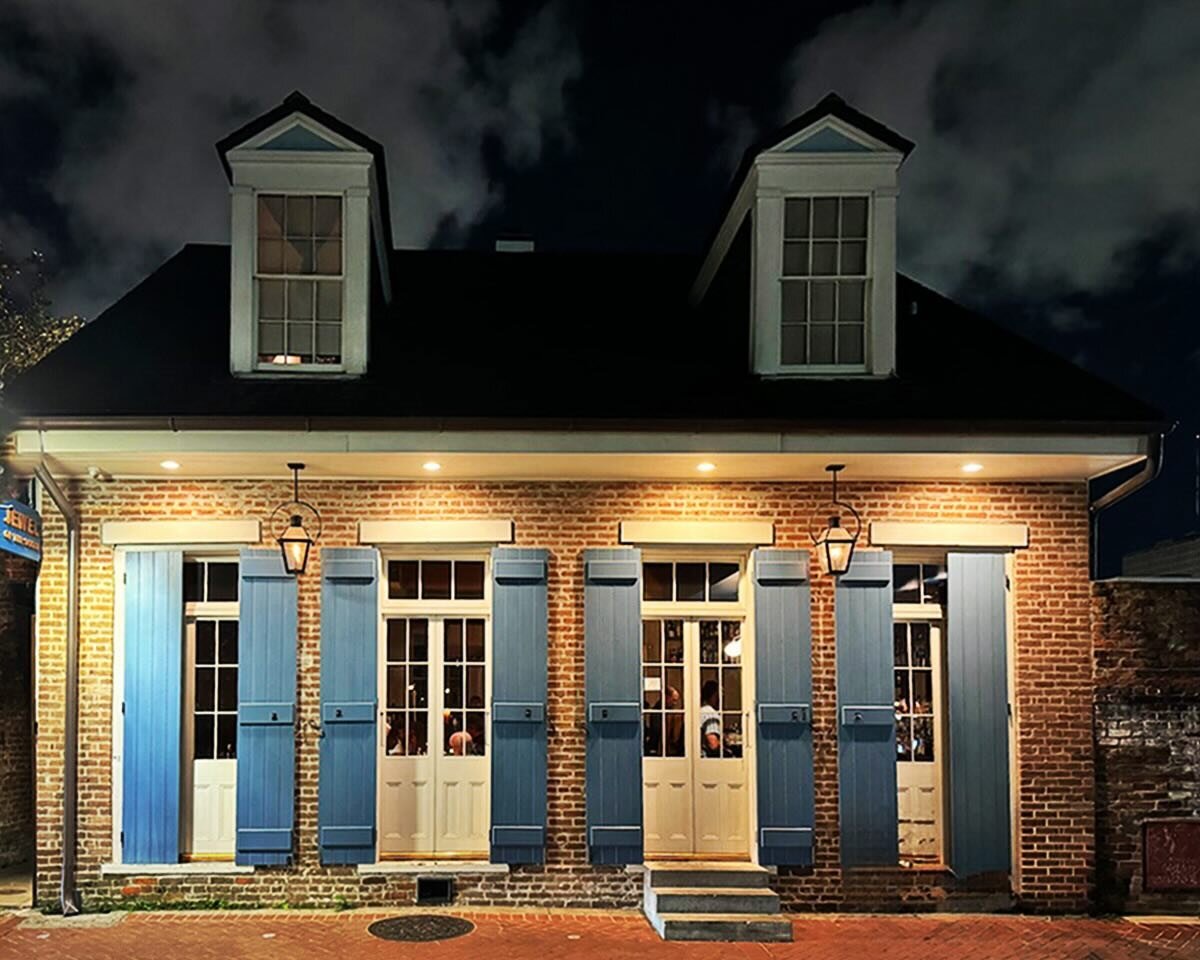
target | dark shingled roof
[{"x": 580, "y": 340}]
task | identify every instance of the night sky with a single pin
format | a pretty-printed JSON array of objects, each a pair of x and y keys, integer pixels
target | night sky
[{"x": 1054, "y": 186}]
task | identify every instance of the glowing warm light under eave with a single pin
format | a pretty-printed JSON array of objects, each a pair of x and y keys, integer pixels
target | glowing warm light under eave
[
  {"x": 431, "y": 465},
  {"x": 972, "y": 467},
  {"x": 170, "y": 464},
  {"x": 706, "y": 467}
]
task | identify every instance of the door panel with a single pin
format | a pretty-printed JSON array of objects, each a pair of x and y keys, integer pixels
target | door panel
[
  {"x": 214, "y": 807},
  {"x": 919, "y": 744}
]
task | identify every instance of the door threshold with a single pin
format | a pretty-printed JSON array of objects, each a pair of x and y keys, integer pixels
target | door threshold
[
  {"x": 433, "y": 857},
  {"x": 697, "y": 857}
]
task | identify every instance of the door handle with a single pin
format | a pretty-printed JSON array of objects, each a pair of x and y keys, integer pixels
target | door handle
[
  {"x": 528, "y": 713},
  {"x": 604, "y": 714},
  {"x": 274, "y": 715},
  {"x": 337, "y": 711}
]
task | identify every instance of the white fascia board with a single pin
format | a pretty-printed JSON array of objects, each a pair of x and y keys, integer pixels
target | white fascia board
[
  {"x": 1003, "y": 536},
  {"x": 698, "y": 532},
  {"x": 293, "y": 119},
  {"x": 842, "y": 127},
  {"x": 120, "y": 533},
  {"x": 32, "y": 443},
  {"x": 742, "y": 202},
  {"x": 434, "y": 531}
]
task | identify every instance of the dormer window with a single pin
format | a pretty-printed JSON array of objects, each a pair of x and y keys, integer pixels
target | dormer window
[
  {"x": 298, "y": 279},
  {"x": 824, "y": 295},
  {"x": 310, "y": 243}
]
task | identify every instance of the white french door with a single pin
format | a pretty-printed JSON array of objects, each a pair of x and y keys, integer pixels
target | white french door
[
  {"x": 435, "y": 689},
  {"x": 693, "y": 727},
  {"x": 920, "y": 742},
  {"x": 210, "y": 737}
]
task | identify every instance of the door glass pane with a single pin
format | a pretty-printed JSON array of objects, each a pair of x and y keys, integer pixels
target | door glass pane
[
  {"x": 903, "y": 703},
  {"x": 193, "y": 582},
  {"x": 652, "y": 687},
  {"x": 397, "y": 686},
  {"x": 652, "y": 728},
  {"x": 402, "y": 579},
  {"x": 920, "y": 644},
  {"x": 418, "y": 640},
  {"x": 710, "y": 642},
  {"x": 689, "y": 581},
  {"x": 475, "y": 733},
  {"x": 395, "y": 641},
  {"x": 395, "y": 742},
  {"x": 227, "y": 736},
  {"x": 922, "y": 691},
  {"x": 454, "y": 687},
  {"x": 903, "y": 739},
  {"x": 673, "y": 688},
  {"x": 475, "y": 644},
  {"x": 418, "y": 734},
  {"x": 454, "y": 640},
  {"x": 206, "y": 688},
  {"x": 227, "y": 688},
  {"x": 673, "y": 641},
  {"x": 435, "y": 579},
  {"x": 203, "y": 732},
  {"x": 900, "y": 644},
  {"x": 922, "y": 743},
  {"x": 710, "y": 713},
  {"x": 418, "y": 693},
  {"x": 656, "y": 581},
  {"x": 206, "y": 641},
  {"x": 468, "y": 580},
  {"x": 455, "y": 739},
  {"x": 731, "y": 742},
  {"x": 731, "y": 688},
  {"x": 651, "y": 641},
  {"x": 475, "y": 687},
  {"x": 673, "y": 727},
  {"x": 227, "y": 647},
  {"x": 731, "y": 642}
]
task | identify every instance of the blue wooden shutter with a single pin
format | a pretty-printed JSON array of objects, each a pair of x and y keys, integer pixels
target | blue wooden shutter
[
  {"x": 518, "y": 705},
  {"x": 613, "y": 672},
  {"x": 349, "y": 639},
  {"x": 783, "y": 701},
  {"x": 866, "y": 712},
  {"x": 978, "y": 679},
  {"x": 266, "y": 763},
  {"x": 153, "y": 706}
]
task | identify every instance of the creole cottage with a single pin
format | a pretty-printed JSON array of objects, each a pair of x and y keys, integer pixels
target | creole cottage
[{"x": 558, "y": 607}]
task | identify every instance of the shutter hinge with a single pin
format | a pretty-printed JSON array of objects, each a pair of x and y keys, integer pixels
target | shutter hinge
[
  {"x": 122, "y": 838},
  {"x": 124, "y": 578},
  {"x": 1007, "y": 582},
  {"x": 122, "y": 708}
]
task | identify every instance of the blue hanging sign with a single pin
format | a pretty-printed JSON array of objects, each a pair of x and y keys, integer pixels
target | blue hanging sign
[{"x": 20, "y": 530}]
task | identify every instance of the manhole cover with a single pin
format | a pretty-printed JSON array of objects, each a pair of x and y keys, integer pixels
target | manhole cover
[{"x": 420, "y": 928}]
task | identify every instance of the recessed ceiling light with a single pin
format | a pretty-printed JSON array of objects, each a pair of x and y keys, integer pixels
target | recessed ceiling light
[
  {"x": 432, "y": 466},
  {"x": 706, "y": 467},
  {"x": 170, "y": 464},
  {"x": 972, "y": 467}
]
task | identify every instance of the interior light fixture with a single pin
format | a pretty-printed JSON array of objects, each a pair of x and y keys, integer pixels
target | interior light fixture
[
  {"x": 706, "y": 467},
  {"x": 972, "y": 467},
  {"x": 295, "y": 541},
  {"x": 170, "y": 464},
  {"x": 431, "y": 465}
]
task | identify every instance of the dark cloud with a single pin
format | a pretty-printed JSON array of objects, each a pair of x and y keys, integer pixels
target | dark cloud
[
  {"x": 1052, "y": 135},
  {"x": 129, "y": 172}
]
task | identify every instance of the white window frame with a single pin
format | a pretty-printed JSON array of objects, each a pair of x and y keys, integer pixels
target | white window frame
[
  {"x": 867, "y": 279},
  {"x": 314, "y": 278}
]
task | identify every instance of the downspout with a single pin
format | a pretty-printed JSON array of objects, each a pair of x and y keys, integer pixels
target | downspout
[
  {"x": 1151, "y": 468},
  {"x": 68, "y": 894}
]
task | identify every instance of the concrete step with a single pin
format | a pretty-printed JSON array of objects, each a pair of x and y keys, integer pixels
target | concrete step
[
  {"x": 756, "y": 900},
  {"x": 694, "y": 873},
  {"x": 762, "y": 928}
]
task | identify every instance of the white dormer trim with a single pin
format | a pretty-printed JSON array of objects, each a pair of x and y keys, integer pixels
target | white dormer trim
[
  {"x": 346, "y": 169},
  {"x": 781, "y": 172}
]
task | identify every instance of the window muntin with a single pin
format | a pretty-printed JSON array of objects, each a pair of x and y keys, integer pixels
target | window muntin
[
  {"x": 825, "y": 282},
  {"x": 436, "y": 579},
  {"x": 914, "y": 699},
  {"x": 691, "y": 581},
  {"x": 215, "y": 700},
  {"x": 299, "y": 273}
]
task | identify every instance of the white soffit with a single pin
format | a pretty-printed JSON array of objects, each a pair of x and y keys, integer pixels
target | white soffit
[
  {"x": 947, "y": 534},
  {"x": 117, "y": 533},
  {"x": 435, "y": 531},
  {"x": 698, "y": 532}
]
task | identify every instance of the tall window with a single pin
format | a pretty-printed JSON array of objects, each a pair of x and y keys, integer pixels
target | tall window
[
  {"x": 298, "y": 275},
  {"x": 823, "y": 321}
]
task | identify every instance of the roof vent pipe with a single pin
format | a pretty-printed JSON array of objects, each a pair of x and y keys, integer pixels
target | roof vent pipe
[{"x": 68, "y": 893}]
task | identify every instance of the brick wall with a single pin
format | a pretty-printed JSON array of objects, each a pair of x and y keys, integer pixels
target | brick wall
[
  {"x": 1146, "y": 639},
  {"x": 1053, "y": 670},
  {"x": 16, "y": 740}
]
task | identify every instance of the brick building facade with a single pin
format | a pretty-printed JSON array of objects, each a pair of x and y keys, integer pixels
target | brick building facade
[{"x": 1053, "y": 680}]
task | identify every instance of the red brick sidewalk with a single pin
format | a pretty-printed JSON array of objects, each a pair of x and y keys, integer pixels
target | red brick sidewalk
[{"x": 276, "y": 936}]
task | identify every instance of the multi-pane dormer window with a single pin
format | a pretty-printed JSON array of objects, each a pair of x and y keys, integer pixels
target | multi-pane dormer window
[
  {"x": 825, "y": 281},
  {"x": 299, "y": 272}
]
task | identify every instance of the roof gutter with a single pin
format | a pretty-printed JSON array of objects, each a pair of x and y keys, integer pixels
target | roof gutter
[
  {"x": 68, "y": 892},
  {"x": 1151, "y": 468}
]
